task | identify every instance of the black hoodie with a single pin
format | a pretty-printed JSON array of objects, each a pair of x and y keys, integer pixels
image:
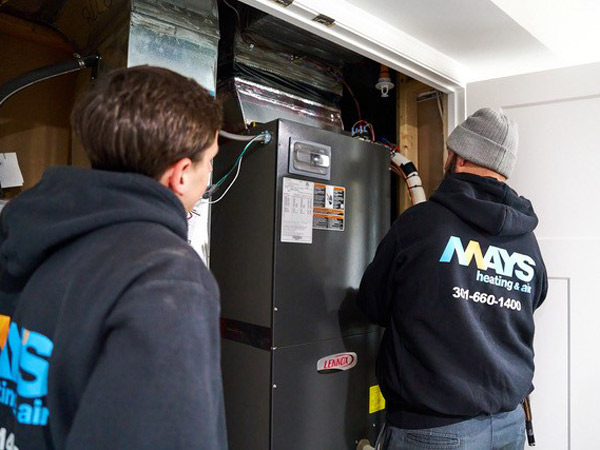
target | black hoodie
[
  {"x": 455, "y": 283},
  {"x": 109, "y": 319}
]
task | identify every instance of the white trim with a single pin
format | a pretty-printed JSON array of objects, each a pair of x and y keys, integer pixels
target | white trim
[
  {"x": 369, "y": 36},
  {"x": 457, "y": 108}
]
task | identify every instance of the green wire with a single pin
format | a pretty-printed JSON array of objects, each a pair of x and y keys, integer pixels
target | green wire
[{"x": 238, "y": 158}]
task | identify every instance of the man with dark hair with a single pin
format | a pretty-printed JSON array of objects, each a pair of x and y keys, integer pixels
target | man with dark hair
[
  {"x": 109, "y": 319},
  {"x": 455, "y": 283}
]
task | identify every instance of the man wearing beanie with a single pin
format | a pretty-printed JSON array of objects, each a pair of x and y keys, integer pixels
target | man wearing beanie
[{"x": 455, "y": 283}]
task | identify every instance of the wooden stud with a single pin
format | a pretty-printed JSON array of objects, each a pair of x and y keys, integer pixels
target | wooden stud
[{"x": 408, "y": 127}]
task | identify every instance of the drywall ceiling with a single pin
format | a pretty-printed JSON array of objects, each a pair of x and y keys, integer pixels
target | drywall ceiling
[{"x": 497, "y": 38}]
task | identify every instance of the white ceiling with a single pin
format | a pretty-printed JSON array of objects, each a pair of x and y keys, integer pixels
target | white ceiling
[{"x": 497, "y": 38}]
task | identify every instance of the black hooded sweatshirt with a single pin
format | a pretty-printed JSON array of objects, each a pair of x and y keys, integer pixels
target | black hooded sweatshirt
[
  {"x": 455, "y": 283},
  {"x": 109, "y": 319}
]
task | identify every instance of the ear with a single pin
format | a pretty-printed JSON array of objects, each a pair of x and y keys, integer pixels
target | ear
[
  {"x": 175, "y": 176},
  {"x": 460, "y": 161}
]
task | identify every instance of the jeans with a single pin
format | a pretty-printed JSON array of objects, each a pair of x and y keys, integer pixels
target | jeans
[{"x": 503, "y": 431}]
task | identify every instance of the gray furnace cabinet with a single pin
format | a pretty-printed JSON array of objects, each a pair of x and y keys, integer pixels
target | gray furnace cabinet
[{"x": 289, "y": 244}]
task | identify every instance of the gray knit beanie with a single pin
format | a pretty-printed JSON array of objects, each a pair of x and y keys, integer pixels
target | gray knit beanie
[{"x": 488, "y": 138}]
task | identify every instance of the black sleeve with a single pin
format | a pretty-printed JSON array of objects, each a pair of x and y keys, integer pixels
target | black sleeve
[
  {"x": 157, "y": 382},
  {"x": 376, "y": 290}
]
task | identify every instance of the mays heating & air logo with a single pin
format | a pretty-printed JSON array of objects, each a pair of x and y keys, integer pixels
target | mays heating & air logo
[
  {"x": 24, "y": 372},
  {"x": 498, "y": 260}
]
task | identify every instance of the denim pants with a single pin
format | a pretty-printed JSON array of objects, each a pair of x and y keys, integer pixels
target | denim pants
[{"x": 504, "y": 431}]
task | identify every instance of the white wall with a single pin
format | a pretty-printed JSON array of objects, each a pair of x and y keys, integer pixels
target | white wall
[{"x": 558, "y": 113}]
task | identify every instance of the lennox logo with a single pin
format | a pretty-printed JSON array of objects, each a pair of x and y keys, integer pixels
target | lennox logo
[
  {"x": 337, "y": 362},
  {"x": 495, "y": 258}
]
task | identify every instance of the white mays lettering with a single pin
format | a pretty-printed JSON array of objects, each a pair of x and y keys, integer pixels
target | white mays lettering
[
  {"x": 495, "y": 258},
  {"x": 511, "y": 271}
]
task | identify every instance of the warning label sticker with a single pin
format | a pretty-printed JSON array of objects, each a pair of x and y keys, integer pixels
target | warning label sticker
[
  {"x": 329, "y": 207},
  {"x": 376, "y": 400}
]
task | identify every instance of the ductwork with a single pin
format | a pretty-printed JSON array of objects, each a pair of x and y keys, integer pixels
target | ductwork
[
  {"x": 246, "y": 102},
  {"x": 272, "y": 70}
]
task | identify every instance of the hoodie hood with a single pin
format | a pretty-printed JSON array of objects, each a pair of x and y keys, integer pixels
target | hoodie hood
[
  {"x": 486, "y": 203},
  {"x": 70, "y": 202}
]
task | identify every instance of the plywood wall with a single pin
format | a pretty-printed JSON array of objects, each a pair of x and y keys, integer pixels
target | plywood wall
[
  {"x": 431, "y": 143},
  {"x": 34, "y": 122},
  {"x": 422, "y": 135}
]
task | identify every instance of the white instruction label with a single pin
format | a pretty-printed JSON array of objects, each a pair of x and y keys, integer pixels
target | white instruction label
[{"x": 297, "y": 211}]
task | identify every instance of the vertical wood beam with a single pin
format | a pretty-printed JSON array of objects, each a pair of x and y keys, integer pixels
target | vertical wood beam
[
  {"x": 408, "y": 136},
  {"x": 408, "y": 127}
]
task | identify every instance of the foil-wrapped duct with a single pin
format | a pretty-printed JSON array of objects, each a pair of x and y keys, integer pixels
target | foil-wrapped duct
[
  {"x": 245, "y": 102},
  {"x": 278, "y": 62}
]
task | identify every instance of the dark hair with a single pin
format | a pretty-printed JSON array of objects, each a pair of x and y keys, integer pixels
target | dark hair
[{"x": 144, "y": 119}]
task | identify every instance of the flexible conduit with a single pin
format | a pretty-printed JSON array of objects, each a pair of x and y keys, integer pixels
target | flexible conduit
[{"x": 44, "y": 73}]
